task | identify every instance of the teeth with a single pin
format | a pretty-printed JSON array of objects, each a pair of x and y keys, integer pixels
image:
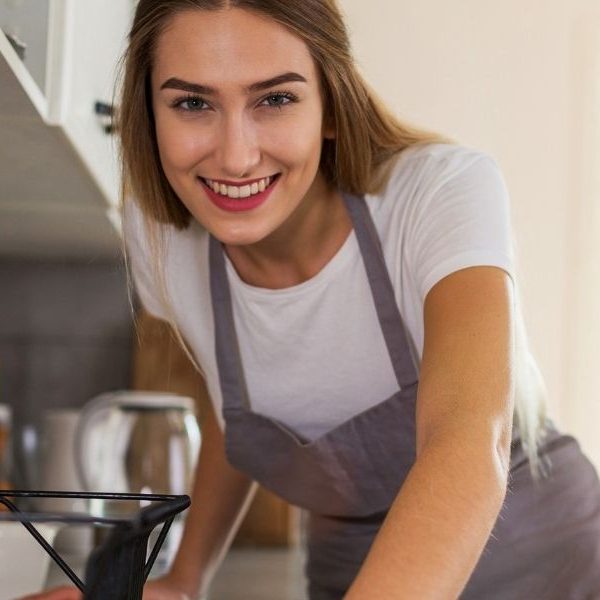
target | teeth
[{"x": 244, "y": 191}]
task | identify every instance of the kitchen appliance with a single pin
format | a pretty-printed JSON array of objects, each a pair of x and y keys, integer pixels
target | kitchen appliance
[
  {"x": 131, "y": 442},
  {"x": 58, "y": 471},
  {"x": 56, "y": 453},
  {"x": 137, "y": 442}
]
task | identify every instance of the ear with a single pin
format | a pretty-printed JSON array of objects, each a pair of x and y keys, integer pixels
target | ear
[{"x": 329, "y": 132}]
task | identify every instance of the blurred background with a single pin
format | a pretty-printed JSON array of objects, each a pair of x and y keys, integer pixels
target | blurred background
[{"x": 519, "y": 81}]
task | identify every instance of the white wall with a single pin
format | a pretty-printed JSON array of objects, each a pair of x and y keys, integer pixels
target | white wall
[{"x": 520, "y": 81}]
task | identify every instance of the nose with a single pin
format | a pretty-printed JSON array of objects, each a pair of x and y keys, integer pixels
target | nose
[{"x": 238, "y": 147}]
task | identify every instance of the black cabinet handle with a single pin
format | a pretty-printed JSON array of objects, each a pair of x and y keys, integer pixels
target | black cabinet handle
[
  {"x": 102, "y": 108},
  {"x": 106, "y": 112}
]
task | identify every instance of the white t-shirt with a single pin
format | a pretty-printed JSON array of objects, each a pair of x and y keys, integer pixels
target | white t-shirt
[{"x": 313, "y": 354}]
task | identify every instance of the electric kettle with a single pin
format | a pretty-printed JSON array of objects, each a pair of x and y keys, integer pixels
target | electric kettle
[{"x": 137, "y": 442}]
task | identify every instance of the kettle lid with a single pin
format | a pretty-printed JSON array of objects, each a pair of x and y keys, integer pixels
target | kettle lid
[{"x": 152, "y": 401}]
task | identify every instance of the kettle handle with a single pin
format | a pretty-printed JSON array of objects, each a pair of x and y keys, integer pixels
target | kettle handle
[{"x": 90, "y": 413}]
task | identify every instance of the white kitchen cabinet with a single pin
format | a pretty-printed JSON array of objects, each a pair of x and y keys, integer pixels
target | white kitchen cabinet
[
  {"x": 59, "y": 182},
  {"x": 27, "y": 21}
]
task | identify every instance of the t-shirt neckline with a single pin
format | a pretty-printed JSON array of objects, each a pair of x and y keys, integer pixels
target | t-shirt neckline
[{"x": 329, "y": 270}]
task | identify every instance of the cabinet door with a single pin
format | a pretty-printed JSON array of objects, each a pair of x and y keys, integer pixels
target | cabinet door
[
  {"x": 71, "y": 50},
  {"x": 97, "y": 40},
  {"x": 26, "y": 22}
]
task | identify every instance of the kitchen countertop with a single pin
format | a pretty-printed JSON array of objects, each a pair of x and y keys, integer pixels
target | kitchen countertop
[{"x": 247, "y": 573}]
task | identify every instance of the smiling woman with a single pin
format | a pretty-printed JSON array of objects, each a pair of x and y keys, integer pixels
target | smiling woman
[
  {"x": 228, "y": 129},
  {"x": 345, "y": 284}
]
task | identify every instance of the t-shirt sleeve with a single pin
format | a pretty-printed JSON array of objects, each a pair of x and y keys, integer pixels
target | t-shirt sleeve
[
  {"x": 461, "y": 219},
  {"x": 139, "y": 260}
]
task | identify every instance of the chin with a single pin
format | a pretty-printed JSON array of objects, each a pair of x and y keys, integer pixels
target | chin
[{"x": 239, "y": 237}]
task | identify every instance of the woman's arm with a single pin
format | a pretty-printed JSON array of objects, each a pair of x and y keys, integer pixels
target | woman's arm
[
  {"x": 439, "y": 523},
  {"x": 220, "y": 498}
]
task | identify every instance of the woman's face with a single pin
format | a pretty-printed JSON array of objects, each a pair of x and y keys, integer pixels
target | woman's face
[{"x": 238, "y": 107}]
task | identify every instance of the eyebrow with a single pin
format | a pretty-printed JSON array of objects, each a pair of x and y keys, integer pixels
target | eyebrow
[{"x": 197, "y": 88}]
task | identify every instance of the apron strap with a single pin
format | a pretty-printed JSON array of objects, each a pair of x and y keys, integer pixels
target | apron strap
[
  {"x": 227, "y": 349},
  {"x": 382, "y": 290}
]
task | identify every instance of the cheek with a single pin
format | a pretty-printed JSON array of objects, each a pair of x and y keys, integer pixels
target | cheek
[
  {"x": 296, "y": 143},
  {"x": 179, "y": 145}
]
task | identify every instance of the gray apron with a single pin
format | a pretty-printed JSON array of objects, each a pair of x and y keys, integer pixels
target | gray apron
[{"x": 546, "y": 543}]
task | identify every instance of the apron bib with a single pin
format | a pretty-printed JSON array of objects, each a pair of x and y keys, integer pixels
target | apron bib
[{"x": 348, "y": 477}]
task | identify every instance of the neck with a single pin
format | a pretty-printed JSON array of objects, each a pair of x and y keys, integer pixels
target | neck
[{"x": 300, "y": 247}]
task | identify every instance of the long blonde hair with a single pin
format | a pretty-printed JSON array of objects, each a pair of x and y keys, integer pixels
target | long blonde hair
[{"x": 368, "y": 140}]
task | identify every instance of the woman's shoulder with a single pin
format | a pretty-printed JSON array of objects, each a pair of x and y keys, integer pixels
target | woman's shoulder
[
  {"x": 436, "y": 190},
  {"x": 436, "y": 158},
  {"x": 423, "y": 171},
  {"x": 446, "y": 207}
]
